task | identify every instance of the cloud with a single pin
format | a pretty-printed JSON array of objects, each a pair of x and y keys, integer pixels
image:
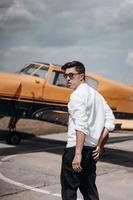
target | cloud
[
  {"x": 93, "y": 57},
  {"x": 99, "y": 33},
  {"x": 130, "y": 59},
  {"x": 6, "y": 4},
  {"x": 60, "y": 23},
  {"x": 15, "y": 18}
]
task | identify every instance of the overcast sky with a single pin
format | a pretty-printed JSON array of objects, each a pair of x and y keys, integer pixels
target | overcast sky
[{"x": 98, "y": 33}]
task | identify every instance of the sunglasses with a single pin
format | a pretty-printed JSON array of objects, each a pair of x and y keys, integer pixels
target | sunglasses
[{"x": 70, "y": 75}]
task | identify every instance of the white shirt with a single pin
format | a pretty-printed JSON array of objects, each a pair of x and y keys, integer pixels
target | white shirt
[{"x": 88, "y": 113}]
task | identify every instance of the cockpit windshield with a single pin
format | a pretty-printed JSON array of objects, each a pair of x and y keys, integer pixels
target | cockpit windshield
[{"x": 38, "y": 70}]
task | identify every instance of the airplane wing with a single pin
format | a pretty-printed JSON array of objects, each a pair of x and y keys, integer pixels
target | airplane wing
[{"x": 124, "y": 124}]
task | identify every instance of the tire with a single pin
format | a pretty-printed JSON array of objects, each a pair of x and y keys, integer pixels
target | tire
[{"x": 13, "y": 139}]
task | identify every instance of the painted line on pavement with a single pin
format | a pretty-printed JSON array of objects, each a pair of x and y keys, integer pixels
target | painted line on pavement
[{"x": 27, "y": 187}]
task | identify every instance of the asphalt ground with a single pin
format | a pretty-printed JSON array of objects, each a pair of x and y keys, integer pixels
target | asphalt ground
[{"x": 31, "y": 170}]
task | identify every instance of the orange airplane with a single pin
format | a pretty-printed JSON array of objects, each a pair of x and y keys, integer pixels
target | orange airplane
[{"x": 38, "y": 91}]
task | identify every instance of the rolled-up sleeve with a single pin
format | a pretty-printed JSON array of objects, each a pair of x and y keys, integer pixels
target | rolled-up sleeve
[
  {"x": 77, "y": 110},
  {"x": 109, "y": 117}
]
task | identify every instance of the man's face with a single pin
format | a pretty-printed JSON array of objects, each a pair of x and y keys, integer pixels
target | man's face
[{"x": 73, "y": 78}]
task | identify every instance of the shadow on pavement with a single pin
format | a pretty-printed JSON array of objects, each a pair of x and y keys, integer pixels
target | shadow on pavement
[{"x": 32, "y": 143}]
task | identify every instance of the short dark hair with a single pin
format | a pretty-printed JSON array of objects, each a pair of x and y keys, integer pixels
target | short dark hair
[{"x": 78, "y": 66}]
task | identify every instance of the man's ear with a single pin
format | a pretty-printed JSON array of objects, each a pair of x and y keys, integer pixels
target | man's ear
[{"x": 82, "y": 76}]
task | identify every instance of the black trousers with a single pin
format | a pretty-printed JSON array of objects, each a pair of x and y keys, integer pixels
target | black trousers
[{"x": 71, "y": 181}]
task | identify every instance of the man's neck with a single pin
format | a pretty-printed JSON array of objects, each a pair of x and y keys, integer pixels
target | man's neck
[{"x": 80, "y": 84}]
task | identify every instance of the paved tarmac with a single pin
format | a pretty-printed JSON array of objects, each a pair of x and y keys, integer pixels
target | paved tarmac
[{"x": 31, "y": 170}]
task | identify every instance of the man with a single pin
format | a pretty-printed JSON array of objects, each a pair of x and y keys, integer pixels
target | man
[{"x": 90, "y": 120}]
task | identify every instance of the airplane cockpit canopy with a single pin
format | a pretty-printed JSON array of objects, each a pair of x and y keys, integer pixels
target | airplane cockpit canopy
[{"x": 39, "y": 70}]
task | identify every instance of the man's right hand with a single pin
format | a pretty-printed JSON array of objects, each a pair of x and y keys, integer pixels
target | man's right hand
[{"x": 76, "y": 163}]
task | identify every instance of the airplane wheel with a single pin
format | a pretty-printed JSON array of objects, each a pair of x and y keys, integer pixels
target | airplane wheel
[{"x": 13, "y": 139}]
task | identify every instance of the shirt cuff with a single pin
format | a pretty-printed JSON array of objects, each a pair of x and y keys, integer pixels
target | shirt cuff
[
  {"x": 110, "y": 126},
  {"x": 83, "y": 130}
]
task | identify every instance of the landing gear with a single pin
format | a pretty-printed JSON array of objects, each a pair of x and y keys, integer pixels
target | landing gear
[
  {"x": 13, "y": 137},
  {"x": 12, "y": 123}
]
